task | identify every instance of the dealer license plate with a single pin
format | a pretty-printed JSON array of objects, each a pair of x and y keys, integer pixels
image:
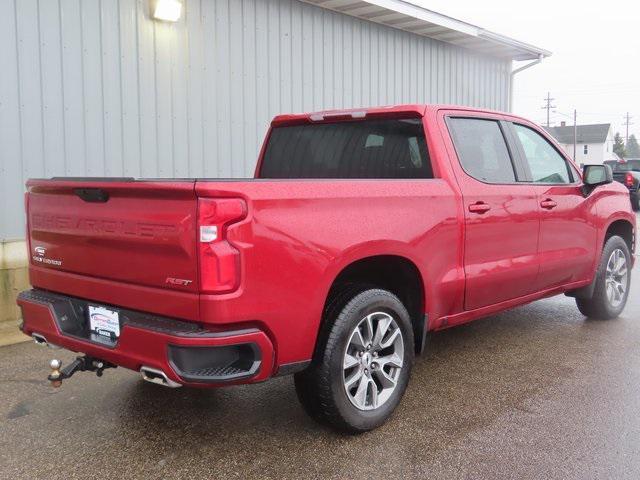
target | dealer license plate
[{"x": 104, "y": 322}]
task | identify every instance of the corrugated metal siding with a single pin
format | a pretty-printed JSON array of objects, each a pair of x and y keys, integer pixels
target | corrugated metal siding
[{"x": 94, "y": 87}]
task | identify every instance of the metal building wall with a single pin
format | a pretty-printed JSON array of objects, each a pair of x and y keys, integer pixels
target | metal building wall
[{"x": 96, "y": 88}]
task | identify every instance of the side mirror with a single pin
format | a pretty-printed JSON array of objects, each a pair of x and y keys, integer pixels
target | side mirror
[{"x": 596, "y": 175}]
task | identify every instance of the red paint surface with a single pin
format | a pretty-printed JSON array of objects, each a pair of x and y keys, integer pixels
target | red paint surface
[{"x": 298, "y": 235}]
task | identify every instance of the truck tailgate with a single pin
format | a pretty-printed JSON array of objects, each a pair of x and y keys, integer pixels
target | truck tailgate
[{"x": 129, "y": 232}]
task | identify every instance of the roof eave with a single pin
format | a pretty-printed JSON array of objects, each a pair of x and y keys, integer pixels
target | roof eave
[
  {"x": 412, "y": 18},
  {"x": 529, "y": 52}
]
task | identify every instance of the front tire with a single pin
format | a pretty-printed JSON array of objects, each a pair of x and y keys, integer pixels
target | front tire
[
  {"x": 613, "y": 279},
  {"x": 362, "y": 364}
]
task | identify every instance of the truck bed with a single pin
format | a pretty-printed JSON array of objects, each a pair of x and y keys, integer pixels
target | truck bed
[{"x": 297, "y": 234}]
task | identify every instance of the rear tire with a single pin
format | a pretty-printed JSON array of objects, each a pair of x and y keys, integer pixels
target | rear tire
[
  {"x": 635, "y": 202},
  {"x": 362, "y": 364},
  {"x": 613, "y": 279}
]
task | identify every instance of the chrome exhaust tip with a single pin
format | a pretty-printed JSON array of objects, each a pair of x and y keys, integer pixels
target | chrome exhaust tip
[
  {"x": 39, "y": 339},
  {"x": 158, "y": 377}
]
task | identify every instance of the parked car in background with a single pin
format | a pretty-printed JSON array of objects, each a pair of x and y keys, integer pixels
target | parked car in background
[
  {"x": 627, "y": 172},
  {"x": 362, "y": 232}
]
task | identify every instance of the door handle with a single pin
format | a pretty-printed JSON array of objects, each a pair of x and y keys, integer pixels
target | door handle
[
  {"x": 548, "y": 204},
  {"x": 479, "y": 207}
]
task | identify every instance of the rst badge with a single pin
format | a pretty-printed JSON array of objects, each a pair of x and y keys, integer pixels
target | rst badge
[{"x": 178, "y": 281}]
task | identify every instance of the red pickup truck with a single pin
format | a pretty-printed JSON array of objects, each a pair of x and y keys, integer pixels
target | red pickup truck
[{"x": 363, "y": 231}]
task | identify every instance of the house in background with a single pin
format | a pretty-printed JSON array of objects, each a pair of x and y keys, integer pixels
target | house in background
[{"x": 594, "y": 142}]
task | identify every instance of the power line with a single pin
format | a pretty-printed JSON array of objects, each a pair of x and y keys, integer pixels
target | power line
[
  {"x": 548, "y": 106},
  {"x": 590, "y": 91}
]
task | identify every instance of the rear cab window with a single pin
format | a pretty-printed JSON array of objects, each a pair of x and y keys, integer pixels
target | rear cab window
[
  {"x": 626, "y": 166},
  {"x": 368, "y": 148}
]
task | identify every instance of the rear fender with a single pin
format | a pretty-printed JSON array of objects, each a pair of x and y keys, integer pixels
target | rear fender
[{"x": 366, "y": 250}]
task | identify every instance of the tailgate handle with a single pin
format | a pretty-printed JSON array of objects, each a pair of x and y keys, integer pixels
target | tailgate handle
[{"x": 94, "y": 195}]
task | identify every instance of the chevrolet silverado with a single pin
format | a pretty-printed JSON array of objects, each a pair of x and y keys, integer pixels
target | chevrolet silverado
[{"x": 362, "y": 232}]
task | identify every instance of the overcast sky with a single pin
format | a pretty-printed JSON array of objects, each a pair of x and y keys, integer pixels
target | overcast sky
[{"x": 595, "y": 66}]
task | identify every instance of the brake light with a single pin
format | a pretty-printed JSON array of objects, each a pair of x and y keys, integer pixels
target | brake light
[
  {"x": 628, "y": 181},
  {"x": 219, "y": 259}
]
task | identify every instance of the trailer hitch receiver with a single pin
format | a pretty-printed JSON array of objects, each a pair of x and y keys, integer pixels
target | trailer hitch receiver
[{"x": 80, "y": 364}]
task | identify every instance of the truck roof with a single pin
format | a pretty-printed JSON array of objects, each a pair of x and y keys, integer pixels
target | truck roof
[{"x": 417, "y": 109}]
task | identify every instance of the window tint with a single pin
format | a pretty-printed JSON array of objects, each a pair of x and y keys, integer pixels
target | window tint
[
  {"x": 390, "y": 148},
  {"x": 482, "y": 149},
  {"x": 545, "y": 163}
]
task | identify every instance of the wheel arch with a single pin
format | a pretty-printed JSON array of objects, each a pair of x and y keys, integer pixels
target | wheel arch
[
  {"x": 394, "y": 272},
  {"x": 623, "y": 228}
]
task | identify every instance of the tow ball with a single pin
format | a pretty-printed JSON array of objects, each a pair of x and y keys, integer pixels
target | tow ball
[{"x": 80, "y": 364}]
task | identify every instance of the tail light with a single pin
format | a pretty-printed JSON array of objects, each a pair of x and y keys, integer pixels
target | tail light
[
  {"x": 628, "y": 181},
  {"x": 219, "y": 259},
  {"x": 28, "y": 230}
]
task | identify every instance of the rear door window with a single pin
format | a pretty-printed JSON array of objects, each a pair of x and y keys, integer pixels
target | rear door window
[
  {"x": 482, "y": 149},
  {"x": 389, "y": 148}
]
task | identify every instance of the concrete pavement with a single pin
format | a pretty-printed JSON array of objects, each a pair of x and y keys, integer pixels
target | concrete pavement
[{"x": 537, "y": 392}]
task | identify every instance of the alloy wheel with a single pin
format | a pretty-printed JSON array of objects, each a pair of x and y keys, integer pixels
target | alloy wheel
[
  {"x": 617, "y": 278},
  {"x": 373, "y": 360}
]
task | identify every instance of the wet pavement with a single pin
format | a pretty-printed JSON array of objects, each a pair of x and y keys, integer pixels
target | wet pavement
[{"x": 536, "y": 392}]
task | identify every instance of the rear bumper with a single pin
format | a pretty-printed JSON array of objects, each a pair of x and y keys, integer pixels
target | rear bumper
[{"x": 188, "y": 354}]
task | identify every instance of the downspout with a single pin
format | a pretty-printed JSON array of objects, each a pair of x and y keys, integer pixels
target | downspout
[{"x": 518, "y": 70}]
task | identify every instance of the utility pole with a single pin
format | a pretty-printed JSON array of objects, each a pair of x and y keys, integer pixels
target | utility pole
[
  {"x": 575, "y": 133},
  {"x": 548, "y": 106},
  {"x": 627, "y": 123}
]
